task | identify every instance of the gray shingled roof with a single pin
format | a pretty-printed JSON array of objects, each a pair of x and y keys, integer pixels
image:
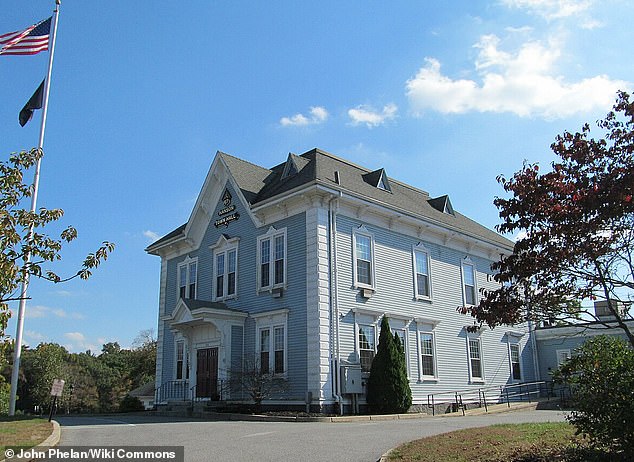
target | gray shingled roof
[
  {"x": 259, "y": 184},
  {"x": 194, "y": 304}
]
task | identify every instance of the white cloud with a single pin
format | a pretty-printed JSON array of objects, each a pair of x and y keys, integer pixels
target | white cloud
[
  {"x": 79, "y": 342},
  {"x": 36, "y": 311},
  {"x": 318, "y": 114},
  {"x": 35, "y": 337},
  {"x": 40, "y": 311},
  {"x": 371, "y": 117},
  {"x": 551, "y": 9},
  {"x": 151, "y": 235},
  {"x": 523, "y": 83}
]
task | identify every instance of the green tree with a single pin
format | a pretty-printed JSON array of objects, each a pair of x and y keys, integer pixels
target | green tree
[
  {"x": 84, "y": 396},
  {"x": 578, "y": 225},
  {"x": 40, "y": 366},
  {"x": 601, "y": 375},
  {"x": 388, "y": 385},
  {"x": 143, "y": 358},
  {"x": 21, "y": 236}
]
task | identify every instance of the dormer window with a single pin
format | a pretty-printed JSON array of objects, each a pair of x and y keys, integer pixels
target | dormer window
[
  {"x": 290, "y": 168},
  {"x": 442, "y": 204},
  {"x": 383, "y": 184},
  {"x": 378, "y": 179}
]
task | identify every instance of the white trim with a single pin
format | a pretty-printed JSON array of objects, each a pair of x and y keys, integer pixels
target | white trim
[
  {"x": 472, "y": 379},
  {"x": 422, "y": 377},
  {"x": 560, "y": 353},
  {"x": 421, "y": 249},
  {"x": 223, "y": 247},
  {"x": 271, "y": 235},
  {"x": 271, "y": 320},
  {"x": 519, "y": 360},
  {"x": 374, "y": 327},
  {"x": 185, "y": 264},
  {"x": 465, "y": 263},
  {"x": 363, "y": 231},
  {"x": 180, "y": 340}
]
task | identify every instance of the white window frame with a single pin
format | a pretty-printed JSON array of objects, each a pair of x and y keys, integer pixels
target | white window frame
[
  {"x": 420, "y": 249},
  {"x": 517, "y": 345},
  {"x": 270, "y": 321},
  {"x": 472, "y": 378},
  {"x": 402, "y": 325},
  {"x": 426, "y": 326},
  {"x": 186, "y": 265},
  {"x": 421, "y": 375},
  {"x": 362, "y": 231},
  {"x": 271, "y": 236},
  {"x": 184, "y": 369},
  {"x": 465, "y": 264},
  {"x": 562, "y": 356},
  {"x": 224, "y": 247},
  {"x": 374, "y": 328}
]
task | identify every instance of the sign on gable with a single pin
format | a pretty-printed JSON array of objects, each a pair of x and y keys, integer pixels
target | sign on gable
[{"x": 228, "y": 213}]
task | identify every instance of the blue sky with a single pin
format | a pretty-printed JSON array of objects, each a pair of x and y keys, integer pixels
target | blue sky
[{"x": 444, "y": 95}]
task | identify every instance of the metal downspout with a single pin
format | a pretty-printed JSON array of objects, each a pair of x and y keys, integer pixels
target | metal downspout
[
  {"x": 334, "y": 304},
  {"x": 532, "y": 327}
]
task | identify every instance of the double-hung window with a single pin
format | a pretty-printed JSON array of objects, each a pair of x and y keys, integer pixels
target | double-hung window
[
  {"x": 427, "y": 357},
  {"x": 363, "y": 255},
  {"x": 367, "y": 346},
  {"x": 187, "y": 278},
  {"x": 272, "y": 259},
  {"x": 562, "y": 356},
  {"x": 422, "y": 281},
  {"x": 516, "y": 370},
  {"x": 468, "y": 282},
  {"x": 182, "y": 361},
  {"x": 265, "y": 349},
  {"x": 225, "y": 274},
  {"x": 271, "y": 346},
  {"x": 226, "y": 265},
  {"x": 476, "y": 369}
]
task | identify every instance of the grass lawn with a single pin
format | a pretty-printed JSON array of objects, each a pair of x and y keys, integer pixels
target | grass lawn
[
  {"x": 25, "y": 432},
  {"x": 540, "y": 442}
]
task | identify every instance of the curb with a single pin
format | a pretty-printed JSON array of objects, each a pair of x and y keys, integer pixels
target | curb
[
  {"x": 500, "y": 410},
  {"x": 49, "y": 442}
]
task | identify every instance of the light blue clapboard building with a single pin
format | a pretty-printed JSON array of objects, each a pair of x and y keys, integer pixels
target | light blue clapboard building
[{"x": 295, "y": 266}]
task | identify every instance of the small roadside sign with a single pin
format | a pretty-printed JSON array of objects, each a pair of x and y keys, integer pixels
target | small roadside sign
[{"x": 57, "y": 388}]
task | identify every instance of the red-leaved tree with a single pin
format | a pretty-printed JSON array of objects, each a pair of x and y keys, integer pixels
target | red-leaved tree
[{"x": 577, "y": 223}]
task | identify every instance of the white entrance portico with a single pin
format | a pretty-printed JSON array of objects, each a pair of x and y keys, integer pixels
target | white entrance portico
[{"x": 204, "y": 328}]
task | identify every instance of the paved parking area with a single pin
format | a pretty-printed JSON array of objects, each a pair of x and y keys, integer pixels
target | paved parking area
[{"x": 276, "y": 441}]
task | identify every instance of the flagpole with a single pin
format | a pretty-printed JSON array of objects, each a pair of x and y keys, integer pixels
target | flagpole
[{"x": 15, "y": 372}]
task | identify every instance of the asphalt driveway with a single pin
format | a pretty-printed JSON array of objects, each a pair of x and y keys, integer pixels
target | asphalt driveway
[{"x": 275, "y": 441}]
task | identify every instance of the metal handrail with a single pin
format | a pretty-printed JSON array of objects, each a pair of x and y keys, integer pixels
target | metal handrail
[
  {"x": 503, "y": 393},
  {"x": 173, "y": 389}
]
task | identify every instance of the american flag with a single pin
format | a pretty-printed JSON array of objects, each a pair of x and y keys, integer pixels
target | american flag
[{"x": 29, "y": 41}]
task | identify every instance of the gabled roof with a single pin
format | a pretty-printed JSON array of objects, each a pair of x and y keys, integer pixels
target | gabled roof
[
  {"x": 250, "y": 178},
  {"x": 316, "y": 167},
  {"x": 173, "y": 235},
  {"x": 146, "y": 389}
]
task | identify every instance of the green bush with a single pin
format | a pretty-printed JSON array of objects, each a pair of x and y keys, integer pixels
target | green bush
[
  {"x": 4, "y": 396},
  {"x": 601, "y": 376},
  {"x": 388, "y": 385},
  {"x": 131, "y": 404}
]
